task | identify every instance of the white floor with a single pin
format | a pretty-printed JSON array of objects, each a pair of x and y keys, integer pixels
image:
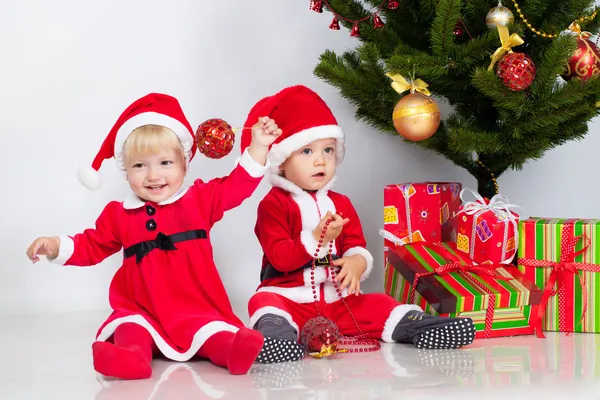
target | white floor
[{"x": 49, "y": 357}]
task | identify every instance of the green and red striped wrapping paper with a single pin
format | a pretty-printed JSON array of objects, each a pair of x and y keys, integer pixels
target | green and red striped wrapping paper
[
  {"x": 542, "y": 239},
  {"x": 453, "y": 295}
]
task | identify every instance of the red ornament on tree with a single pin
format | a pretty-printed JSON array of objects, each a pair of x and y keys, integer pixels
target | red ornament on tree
[
  {"x": 458, "y": 29},
  {"x": 316, "y": 6},
  {"x": 392, "y": 5},
  {"x": 516, "y": 70},
  {"x": 585, "y": 61},
  {"x": 320, "y": 337},
  {"x": 335, "y": 24},
  {"x": 355, "y": 30},
  {"x": 215, "y": 138},
  {"x": 377, "y": 22}
]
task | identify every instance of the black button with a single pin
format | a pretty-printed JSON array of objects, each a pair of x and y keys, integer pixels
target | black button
[
  {"x": 150, "y": 210},
  {"x": 151, "y": 224}
]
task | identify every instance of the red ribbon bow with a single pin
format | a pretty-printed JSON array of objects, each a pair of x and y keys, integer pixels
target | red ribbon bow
[
  {"x": 455, "y": 265},
  {"x": 562, "y": 270}
]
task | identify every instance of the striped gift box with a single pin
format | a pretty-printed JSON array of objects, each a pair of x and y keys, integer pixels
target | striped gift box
[
  {"x": 461, "y": 293},
  {"x": 562, "y": 257}
]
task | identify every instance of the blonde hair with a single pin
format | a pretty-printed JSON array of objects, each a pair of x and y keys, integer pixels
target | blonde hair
[{"x": 149, "y": 140}]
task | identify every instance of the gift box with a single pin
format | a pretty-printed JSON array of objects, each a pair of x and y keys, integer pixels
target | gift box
[
  {"x": 487, "y": 230},
  {"x": 442, "y": 281},
  {"x": 420, "y": 211},
  {"x": 562, "y": 256}
]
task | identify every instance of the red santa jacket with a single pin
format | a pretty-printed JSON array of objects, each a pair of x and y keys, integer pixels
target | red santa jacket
[{"x": 286, "y": 219}]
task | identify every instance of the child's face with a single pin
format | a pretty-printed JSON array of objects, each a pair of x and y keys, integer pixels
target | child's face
[
  {"x": 313, "y": 166},
  {"x": 156, "y": 177}
]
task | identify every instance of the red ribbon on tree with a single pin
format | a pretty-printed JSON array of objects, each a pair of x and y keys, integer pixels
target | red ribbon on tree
[
  {"x": 455, "y": 265},
  {"x": 561, "y": 271}
]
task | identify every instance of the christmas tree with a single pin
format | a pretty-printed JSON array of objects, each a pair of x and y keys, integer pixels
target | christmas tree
[{"x": 501, "y": 116}]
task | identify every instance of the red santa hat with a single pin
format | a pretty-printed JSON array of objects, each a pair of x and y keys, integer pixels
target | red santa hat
[
  {"x": 152, "y": 109},
  {"x": 303, "y": 118}
]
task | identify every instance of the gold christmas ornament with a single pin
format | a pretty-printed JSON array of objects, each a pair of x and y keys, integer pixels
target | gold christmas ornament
[
  {"x": 416, "y": 116},
  {"x": 499, "y": 15}
]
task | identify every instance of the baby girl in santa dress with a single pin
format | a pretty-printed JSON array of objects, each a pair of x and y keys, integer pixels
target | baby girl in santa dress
[
  {"x": 167, "y": 296},
  {"x": 302, "y": 220}
]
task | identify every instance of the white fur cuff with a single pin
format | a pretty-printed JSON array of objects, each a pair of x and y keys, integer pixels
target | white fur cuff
[
  {"x": 65, "y": 250},
  {"x": 253, "y": 168}
]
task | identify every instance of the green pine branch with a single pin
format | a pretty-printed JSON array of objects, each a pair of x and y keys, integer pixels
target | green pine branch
[{"x": 502, "y": 128}]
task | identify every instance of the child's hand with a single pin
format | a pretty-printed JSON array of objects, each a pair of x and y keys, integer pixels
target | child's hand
[
  {"x": 265, "y": 132},
  {"x": 333, "y": 230},
  {"x": 46, "y": 246},
  {"x": 352, "y": 269}
]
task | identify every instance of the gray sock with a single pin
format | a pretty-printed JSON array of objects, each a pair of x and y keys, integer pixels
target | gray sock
[
  {"x": 276, "y": 327},
  {"x": 404, "y": 330}
]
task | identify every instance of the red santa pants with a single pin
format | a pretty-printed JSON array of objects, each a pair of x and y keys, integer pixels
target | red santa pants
[{"x": 377, "y": 314}]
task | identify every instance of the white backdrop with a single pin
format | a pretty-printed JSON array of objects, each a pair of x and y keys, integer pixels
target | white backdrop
[{"x": 70, "y": 67}]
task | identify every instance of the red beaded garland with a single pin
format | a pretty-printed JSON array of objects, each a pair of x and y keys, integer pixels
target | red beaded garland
[{"x": 362, "y": 339}]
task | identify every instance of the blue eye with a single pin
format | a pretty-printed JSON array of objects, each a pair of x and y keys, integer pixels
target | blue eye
[{"x": 306, "y": 151}]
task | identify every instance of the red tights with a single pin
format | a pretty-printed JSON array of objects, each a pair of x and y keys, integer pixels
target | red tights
[{"x": 130, "y": 354}]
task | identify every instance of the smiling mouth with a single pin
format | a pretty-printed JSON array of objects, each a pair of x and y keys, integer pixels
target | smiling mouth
[{"x": 155, "y": 187}]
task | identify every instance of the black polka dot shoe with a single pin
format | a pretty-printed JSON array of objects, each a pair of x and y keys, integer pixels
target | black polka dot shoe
[
  {"x": 277, "y": 350},
  {"x": 455, "y": 333},
  {"x": 430, "y": 332}
]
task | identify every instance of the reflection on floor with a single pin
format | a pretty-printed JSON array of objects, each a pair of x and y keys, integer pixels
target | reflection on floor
[{"x": 49, "y": 357}]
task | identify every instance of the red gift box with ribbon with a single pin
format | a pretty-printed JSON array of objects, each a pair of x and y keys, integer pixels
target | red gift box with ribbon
[
  {"x": 487, "y": 231},
  {"x": 442, "y": 281},
  {"x": 419, "y": 211},
  {"x": 562, "y": 256}
]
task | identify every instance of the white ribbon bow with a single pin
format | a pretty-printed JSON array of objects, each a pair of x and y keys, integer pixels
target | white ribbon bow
[{"x": 500, "y": 206}]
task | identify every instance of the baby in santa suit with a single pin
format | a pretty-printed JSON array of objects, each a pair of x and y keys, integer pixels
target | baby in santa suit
[
  {"x": 167, "y": 296},
  {"x": 293, "y": 231}
]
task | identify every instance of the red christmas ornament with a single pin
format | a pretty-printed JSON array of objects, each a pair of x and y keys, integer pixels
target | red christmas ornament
[
  {"x": 215, "y": 138},
  {"x": 355, "y": 30},
  {"x": 516, "y": 70},
  {"x": 392, "y": 5},
  {"x": 585, "y": 62},
  {"x": 458, "y": 29},
  {"x": 377, "y": 22},
  {"x": 316, "y": 6},
  {"x": 320, "y": 337},
  {"x": 335, "y": 24}
]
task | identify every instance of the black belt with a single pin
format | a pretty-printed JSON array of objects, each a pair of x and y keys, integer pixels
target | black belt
[
  {"x": 269, "y": 271},
  {"x": 162, "y": 242}
]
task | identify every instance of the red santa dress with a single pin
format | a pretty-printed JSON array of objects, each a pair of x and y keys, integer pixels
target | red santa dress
[
  {"x": 286, "y": 219},
  {"x": 168, "y": 283}
]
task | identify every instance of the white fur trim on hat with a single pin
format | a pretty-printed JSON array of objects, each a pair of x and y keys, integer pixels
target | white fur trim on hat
[
  {"x": 152, "y": 118},
  {"x": 89, "y": 177},
  {"x": 281, "y": 151}
]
